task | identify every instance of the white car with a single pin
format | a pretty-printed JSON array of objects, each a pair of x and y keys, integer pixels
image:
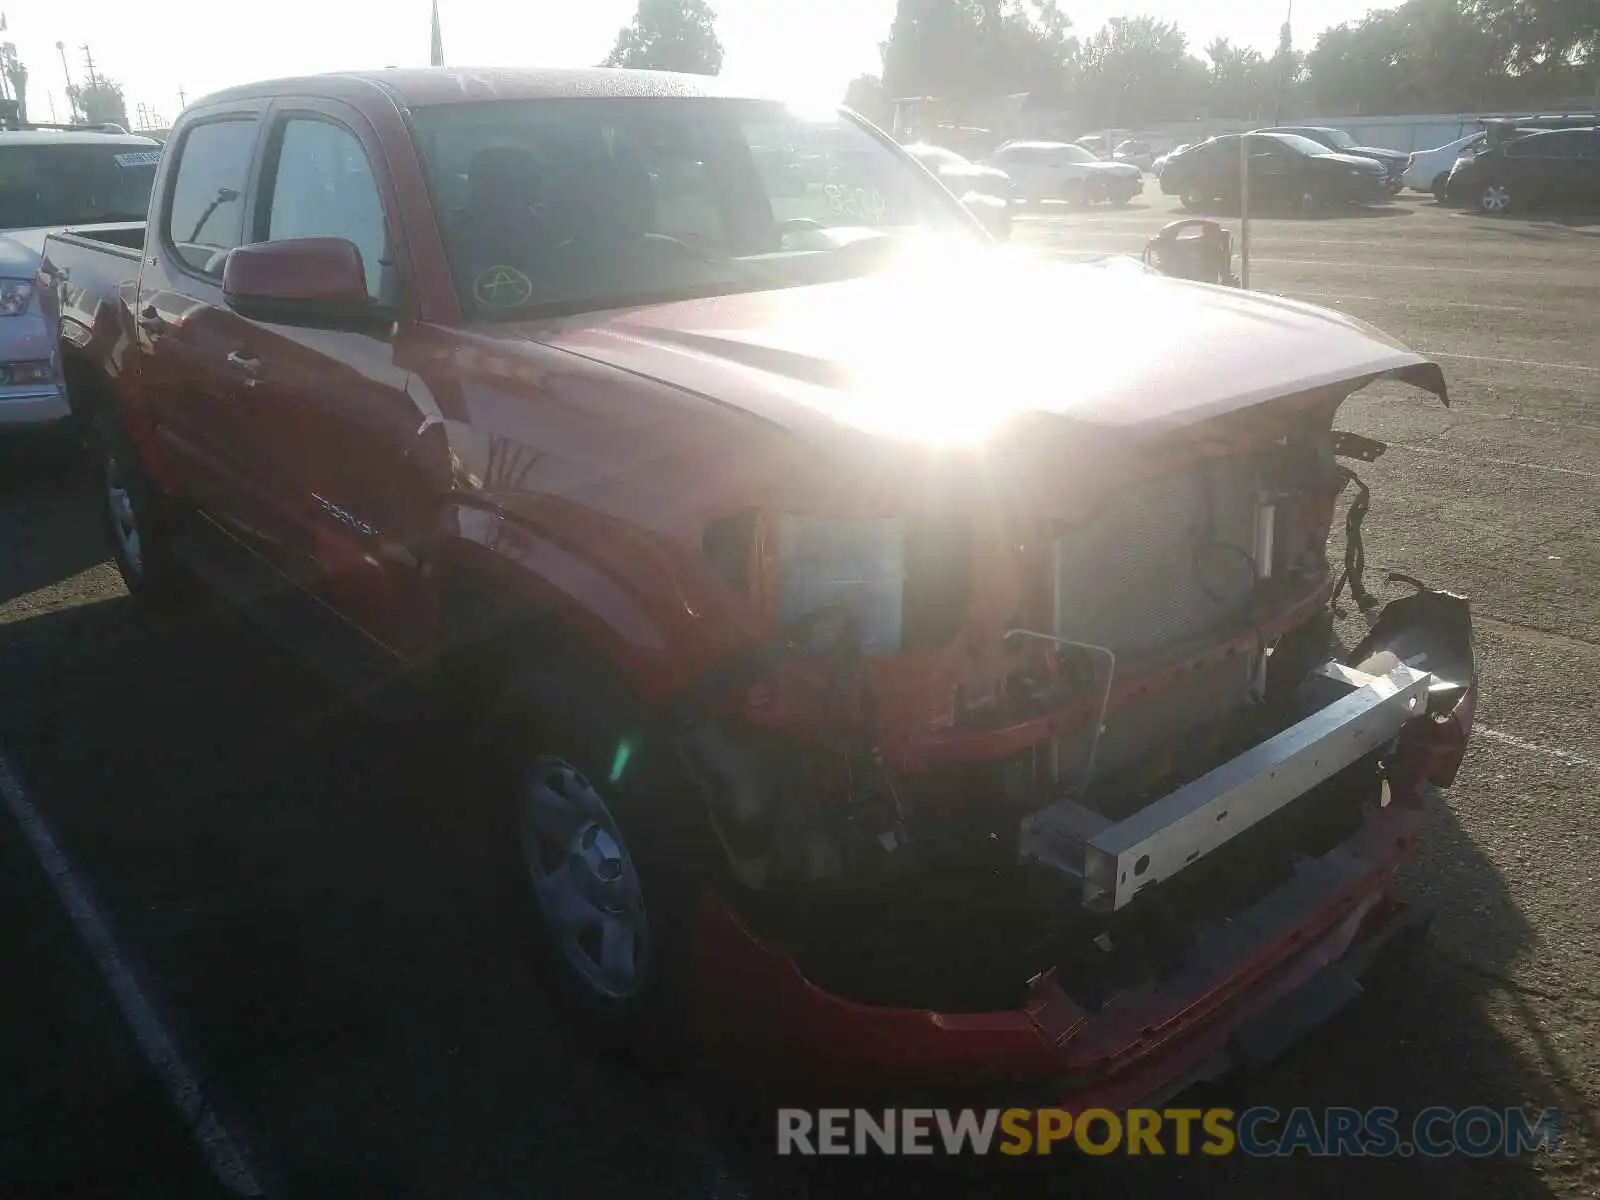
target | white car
[
  {"x": 1062, "y": 171},
  {"x": 1430, "y": 168}
]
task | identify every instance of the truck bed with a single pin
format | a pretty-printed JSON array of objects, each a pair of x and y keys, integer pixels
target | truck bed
[
  {"x": 125, "y": 240},
  {"x": 97, "y": 270}
]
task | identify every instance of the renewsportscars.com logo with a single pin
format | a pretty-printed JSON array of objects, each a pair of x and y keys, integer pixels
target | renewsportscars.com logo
[{"x": 1258, "y": 1132}]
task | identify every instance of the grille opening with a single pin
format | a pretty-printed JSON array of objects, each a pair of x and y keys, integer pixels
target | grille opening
[{"x": 938, "y": 564}]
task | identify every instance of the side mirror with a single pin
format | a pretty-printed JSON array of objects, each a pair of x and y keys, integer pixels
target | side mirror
[{"x": 302, "y": 281}]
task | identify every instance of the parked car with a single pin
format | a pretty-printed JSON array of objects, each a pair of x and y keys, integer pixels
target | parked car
[
  {"x": 50, "y": 178},
  {"x": 1394, "y": 162},
  {"x": 986, "y": 191},
  {"x": 1063, "y": 171},
  {"x": 1135, "y": 152},
  {"x": 1559, "y": 166},
  {"x": 1286, "y": 171},
  {"x": 1160, "y": 162},
  {"x": 1429, "y": 169},
  {"x": 852, "y": 700}
]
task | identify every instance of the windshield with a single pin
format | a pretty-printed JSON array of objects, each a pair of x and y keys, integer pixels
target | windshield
[
  {"x": 1076, "y": 154},
  {"x": 568, "y": 205},
  {"x": 1339, "y": 139},
  {"x": 1295, "y": 142},
  {"x": 62, "y": 184}
]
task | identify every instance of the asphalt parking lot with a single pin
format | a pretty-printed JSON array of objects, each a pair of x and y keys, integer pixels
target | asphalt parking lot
[{"x": 300, "y": 896}]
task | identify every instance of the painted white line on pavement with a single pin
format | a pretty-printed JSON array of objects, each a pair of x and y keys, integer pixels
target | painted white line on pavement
[
  {"x": 1566, "y": 756},
  {"x": 1516, "y": 362},
  {"x": 1497, "y": 462},
  {"x": 221, "y": 1149}
]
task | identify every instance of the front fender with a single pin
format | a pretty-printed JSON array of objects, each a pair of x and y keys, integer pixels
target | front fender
[{"x": 653, "y": 610}]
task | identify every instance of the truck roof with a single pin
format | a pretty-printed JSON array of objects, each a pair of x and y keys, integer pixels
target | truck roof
[
  {"x": 74, "y": 137},
  {"x": 445, "y": 85}
]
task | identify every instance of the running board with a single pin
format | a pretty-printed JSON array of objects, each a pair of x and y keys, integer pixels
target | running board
[{"x": 1117, "y": 860}]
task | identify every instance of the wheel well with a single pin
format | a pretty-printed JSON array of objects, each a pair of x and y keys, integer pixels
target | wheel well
[
  {"x": 87, "y": 391},
  {"x": 501, "y": 649}
]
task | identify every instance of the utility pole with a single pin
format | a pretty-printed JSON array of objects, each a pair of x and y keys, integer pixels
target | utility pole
[
  {"x": 61, "y": 49},
  {"x": 183, "y": 101},
  {"x": 88, "y": 65}
]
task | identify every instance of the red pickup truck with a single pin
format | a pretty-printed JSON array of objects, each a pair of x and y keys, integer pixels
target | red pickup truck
[{"x": 912, "y": 662}]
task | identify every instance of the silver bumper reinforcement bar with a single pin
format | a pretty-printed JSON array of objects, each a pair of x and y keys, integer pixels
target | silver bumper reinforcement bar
[{"x": 1117, "y": 860}]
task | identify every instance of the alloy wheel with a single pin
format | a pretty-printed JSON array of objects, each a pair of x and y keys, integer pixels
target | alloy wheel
[
  {"x": 124, "y": 524},
  {"x": 584, "y": 880},
  {"x": 1496, "y": 198}
]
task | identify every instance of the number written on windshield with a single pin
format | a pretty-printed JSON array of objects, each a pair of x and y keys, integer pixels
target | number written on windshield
[{"x": 865, "y": 204}]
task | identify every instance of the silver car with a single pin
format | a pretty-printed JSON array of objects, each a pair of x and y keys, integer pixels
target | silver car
[{"x": 51, "y": 179}]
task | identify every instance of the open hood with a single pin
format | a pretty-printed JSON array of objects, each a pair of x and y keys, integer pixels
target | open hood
[{"x": 954, "y": 347}]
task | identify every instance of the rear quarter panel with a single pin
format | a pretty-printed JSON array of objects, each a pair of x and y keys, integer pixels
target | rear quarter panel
[{"x": 87, "y": 290}]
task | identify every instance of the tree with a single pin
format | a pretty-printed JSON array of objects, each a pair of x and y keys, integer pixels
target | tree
[
  {"x": 965, "y": 51},
  {"x": 1240, "y": 81},
  {"x": 16, "y": 75},
  {"x": 1552, "y": 36},
  {"x": 669, "y": 35},
  {"x": 866, "y": 96},
  {"x": 99, "y": 102},
  {"x": 1424, "y": 56},
  {"x": 1137, "y": 70}
]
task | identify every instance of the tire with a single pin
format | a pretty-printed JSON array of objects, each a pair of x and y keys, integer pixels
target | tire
[
  {"x": 1440, "y": 181},
  {"x": 1495, "y": 199},
  {"x": 610, "y": 852},
  {"x": 138, "y": 521}
]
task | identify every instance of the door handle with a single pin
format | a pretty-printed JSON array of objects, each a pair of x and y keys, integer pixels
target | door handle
[{"x": 249, "y": 367}]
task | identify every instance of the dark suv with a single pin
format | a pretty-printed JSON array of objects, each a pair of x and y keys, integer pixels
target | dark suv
[{"x": 1556, "y": 166}]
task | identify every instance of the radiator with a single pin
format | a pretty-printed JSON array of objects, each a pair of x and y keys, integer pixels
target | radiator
[{"x": 1161, "y": 564}]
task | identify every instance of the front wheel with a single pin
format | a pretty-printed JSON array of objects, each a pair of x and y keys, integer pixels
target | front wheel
[
  {"x": 1440, "y": 181},
  {"x": 1495, "y": 199},
  {"x": 610, "y": 855}
]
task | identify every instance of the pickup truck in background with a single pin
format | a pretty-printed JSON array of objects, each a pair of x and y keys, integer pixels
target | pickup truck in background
[
  {"x": 878, "y": 707},
  {"x": 51, "y": 178}
]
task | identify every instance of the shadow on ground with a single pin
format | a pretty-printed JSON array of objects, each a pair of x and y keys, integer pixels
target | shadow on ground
[
  {"x": 49, "y": 527},
  {"x": 317, "y": 896}
]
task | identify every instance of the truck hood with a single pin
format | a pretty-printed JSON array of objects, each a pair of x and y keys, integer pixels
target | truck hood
[
  {"x": 21, "y": 251},
  {"x": 952, "y": 349}
]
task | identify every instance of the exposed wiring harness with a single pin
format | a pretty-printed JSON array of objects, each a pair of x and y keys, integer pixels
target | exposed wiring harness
[{"x": 1355, "y": 551}]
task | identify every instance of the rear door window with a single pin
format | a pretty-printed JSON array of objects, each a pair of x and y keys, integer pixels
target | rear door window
[{"x": 205, "y": 215}]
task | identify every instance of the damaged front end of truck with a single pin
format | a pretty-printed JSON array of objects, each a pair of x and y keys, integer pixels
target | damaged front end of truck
[{"x": 1065, "y": 780}]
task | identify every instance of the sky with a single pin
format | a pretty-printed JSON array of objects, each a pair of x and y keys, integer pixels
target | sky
[{"x": 810, "y": 48}]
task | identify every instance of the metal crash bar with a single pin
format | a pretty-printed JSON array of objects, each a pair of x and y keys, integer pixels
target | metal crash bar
[{"x": 1118, "y": 860}]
